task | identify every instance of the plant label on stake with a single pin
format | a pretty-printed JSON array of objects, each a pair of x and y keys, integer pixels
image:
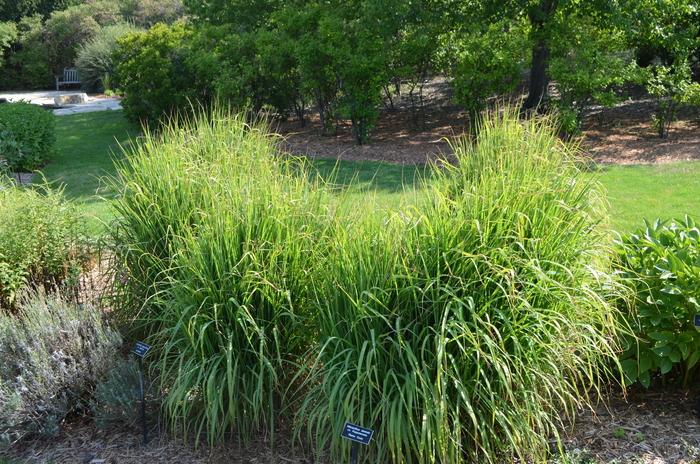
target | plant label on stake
[
  {"x": 358, "y": 435},
  {"x": 140, "y": 350}
]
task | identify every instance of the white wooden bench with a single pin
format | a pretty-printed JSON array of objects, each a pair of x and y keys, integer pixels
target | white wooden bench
[{"x": 70, "y": 76}]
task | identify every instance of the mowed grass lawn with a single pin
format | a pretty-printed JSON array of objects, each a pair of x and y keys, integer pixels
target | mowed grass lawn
[
  {"x": 86, "y": 147},
  {"x": 88, "y": 144}
]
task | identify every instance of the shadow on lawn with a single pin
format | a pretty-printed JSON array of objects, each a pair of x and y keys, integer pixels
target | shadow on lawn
[{"x": 370, "y": 175}]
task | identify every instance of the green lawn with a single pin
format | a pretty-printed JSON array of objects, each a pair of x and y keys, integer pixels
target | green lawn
[
  {"x": 86, "y": 147},
  {"x": 89, "y": 143},
  {"x": 651, "y": 191}
]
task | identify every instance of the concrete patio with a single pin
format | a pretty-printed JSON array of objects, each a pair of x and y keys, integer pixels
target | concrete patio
[{"x": 47, "y": 98}]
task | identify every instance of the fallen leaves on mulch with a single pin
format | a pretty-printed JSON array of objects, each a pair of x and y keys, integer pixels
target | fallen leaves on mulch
[
  {"x": 84, "y": 443},
  {"x": 658, "y": 427},
  {"x": 624, "y": 135}
]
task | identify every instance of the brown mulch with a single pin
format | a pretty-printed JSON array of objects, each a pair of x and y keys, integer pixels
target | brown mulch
[
  {"x": 83, "y": 443},
  {"x": 654, "y": 427},
  {"x": 621, "y": 135},
  {"x": 399, "y": 136}
]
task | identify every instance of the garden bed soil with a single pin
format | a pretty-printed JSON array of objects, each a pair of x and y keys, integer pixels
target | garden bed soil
[
  {"x": 623, "y": 135},
  {"x": 82, "y": 442}
]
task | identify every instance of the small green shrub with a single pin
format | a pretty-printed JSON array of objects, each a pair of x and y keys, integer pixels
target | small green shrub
[
  {"x": 671, "y": 87},
  {"x": 40, "y": 240},
  {"x": 588, "y": 66},
  {"x": 52, "y": 353},
  {"x": 27, "y": 135},
  {"x": 662, "y": 262},
  {"x": 95, "y": 60}
]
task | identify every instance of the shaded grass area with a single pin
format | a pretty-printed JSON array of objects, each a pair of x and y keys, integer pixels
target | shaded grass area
[
  {"x": 86, "y": 147},
  {"x": 88, "y": 144}
]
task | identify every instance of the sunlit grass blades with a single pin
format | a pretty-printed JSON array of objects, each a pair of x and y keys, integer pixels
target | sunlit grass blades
[
  {"x": 213, "y": 245},
  {"x": 462, "y": 330},
  {"x": 460, "y": 327}
]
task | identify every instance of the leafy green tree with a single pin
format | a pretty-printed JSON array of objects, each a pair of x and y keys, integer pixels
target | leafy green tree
[
  {"x": 278, "y": 68},
  {"x": 247, "y": 15},
  {"x": 14, "y": 10},
  {"x": 146, "y": 13},
  {"x": 316, "y": 59},
  {"x": 8, "y": 35},
  {"x": 545, "y": 19},
  {"x": 221, "y": 66},
  {"x": 488, "y": 62},
  {"x": 26, "y": 59},
  {"x": 668, "y": 35},
  {"x": 415, "y": 37},
  {"x": 360, "y": 61},
  {"x": 64, "y": 32},
  {"x": 589, "y": 64}
]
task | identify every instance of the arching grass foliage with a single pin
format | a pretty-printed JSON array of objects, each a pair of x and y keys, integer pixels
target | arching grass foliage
[{"x": 460, "y": 328}]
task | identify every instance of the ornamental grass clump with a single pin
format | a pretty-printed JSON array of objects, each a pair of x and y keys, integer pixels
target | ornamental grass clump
[
  {"x": 214, "y": 246},
  {"x": 464, "y": 329},
  {"x": 461, "y": 326}
]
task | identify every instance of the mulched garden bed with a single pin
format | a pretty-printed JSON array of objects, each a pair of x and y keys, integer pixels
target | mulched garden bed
[
  {"x": 655, "y": 427},
  {"x": 620, "y": 135}
]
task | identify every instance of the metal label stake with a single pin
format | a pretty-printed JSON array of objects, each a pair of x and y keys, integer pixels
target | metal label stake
[
  {"x": 358, "y": 435},
  {"x": 140, "y": 350}
]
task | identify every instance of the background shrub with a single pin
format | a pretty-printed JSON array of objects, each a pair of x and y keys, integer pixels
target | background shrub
[
  {"x": 488, "y": 63},
  {"x": 8, "y": 34},
  {"x": 662, "y": 262},
  {"x": 40, "y": 240},
  {"x": 153, "y": 75},
  {"x": 27, "y": 135},
  {"x": 27, "y": 59},
  {"x": 589, "y": 66},
  {"x": 147, "y": 13},
  {"x": 95, "y": 60},
  {"x": 64, "y": 32},
  {"x": 51, "y": 354}
]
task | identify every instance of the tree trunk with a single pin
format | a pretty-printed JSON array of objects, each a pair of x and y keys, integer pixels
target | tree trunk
[
  {"x": 539, "y": 78},
  {"x": 539, "y": 17}
]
